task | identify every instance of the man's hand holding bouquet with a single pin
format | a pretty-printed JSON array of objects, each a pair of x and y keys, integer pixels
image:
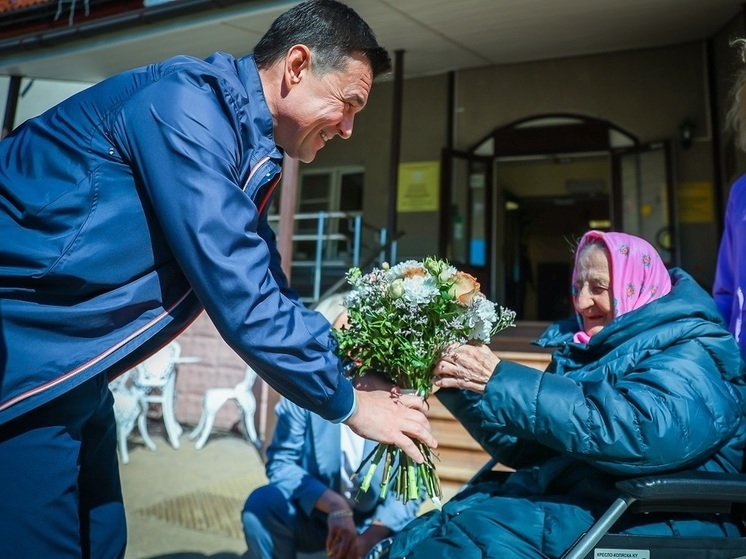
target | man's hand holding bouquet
[{"x": 399, "y": 321}]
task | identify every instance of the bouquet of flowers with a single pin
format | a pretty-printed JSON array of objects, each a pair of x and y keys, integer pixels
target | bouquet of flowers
[{"x": 400, "y": 319}]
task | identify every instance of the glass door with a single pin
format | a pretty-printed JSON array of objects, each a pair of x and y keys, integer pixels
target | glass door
[
  {"x": 645, "y": 204},
  {"x": 466, "y": 219}
]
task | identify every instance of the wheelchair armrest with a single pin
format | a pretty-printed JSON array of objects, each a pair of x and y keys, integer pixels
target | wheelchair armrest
[
  {"x": 686, "y": 491},
  {"x": 687, "y": 486}
]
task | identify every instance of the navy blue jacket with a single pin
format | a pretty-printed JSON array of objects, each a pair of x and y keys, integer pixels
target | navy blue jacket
[
  {"x": 127, "y": 209},
  {"x": 659, "y": 389}
]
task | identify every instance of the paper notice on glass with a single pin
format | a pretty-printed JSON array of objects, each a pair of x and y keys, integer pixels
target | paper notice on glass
[
  {"x": 418, "y": 189},
  {"x": 696, "y": 202}
]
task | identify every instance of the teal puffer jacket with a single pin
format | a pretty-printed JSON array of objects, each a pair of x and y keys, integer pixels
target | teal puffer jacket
[{"x": 661, "y": 388}]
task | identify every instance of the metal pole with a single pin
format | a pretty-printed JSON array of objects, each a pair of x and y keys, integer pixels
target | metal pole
[
  {"x": 382, "y": 242},
  {"x": 586, "y": 544},
  {"x": 391, "y": 224},
  {"x": 319, "y": 253},
  {"x": 288, "y": 196},
  {"x": 11, "y": 104},
  {"x": 356, "y": 246}
]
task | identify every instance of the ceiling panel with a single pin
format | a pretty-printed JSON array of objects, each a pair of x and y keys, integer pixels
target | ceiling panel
[{"x": 436, "y": 35}]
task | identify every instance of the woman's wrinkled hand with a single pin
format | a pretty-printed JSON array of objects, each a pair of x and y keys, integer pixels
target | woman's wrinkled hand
[{"x": 468, "y": 366}]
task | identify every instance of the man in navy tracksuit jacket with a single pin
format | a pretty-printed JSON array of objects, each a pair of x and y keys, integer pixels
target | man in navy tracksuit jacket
[{"x": 125, "y": 211}]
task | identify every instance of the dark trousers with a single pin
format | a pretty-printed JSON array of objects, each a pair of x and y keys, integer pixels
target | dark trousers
[
  {"x": 275, "y": 527},
  {"x": 60, "y": 493}
]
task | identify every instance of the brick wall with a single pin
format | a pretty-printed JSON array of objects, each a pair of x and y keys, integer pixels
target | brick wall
[{"x": 219, "y": 366}]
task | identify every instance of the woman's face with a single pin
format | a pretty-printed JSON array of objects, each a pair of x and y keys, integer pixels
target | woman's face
[{"x": 593, "y": 299}]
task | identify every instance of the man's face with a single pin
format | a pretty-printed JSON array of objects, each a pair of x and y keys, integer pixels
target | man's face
[{"x": 321, "y": 107}]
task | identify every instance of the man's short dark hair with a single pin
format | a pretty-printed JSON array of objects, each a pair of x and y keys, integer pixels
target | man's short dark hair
[{"x": 331, "y": 30}]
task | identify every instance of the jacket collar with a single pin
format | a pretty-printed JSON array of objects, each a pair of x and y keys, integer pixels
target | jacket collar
[
  {"x": 259, "y": 114},
  {"x": 665, "y": 310}
]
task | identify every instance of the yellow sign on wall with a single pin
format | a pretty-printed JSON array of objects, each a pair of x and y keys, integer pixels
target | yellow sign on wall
[
  {"x": 418, "y": 187},
  {"x": 696, "y": 203}
]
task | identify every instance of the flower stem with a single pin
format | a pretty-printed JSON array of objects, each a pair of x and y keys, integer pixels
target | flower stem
[
  {"x": 401, "y": 474},
  {"x": 412, "y": 485},
  {"x": 386, "y": 473},
  {"x": 365, "y": 485}
]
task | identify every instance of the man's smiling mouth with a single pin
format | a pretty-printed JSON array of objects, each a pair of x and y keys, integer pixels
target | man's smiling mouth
[{"x": 323, "y": 136}]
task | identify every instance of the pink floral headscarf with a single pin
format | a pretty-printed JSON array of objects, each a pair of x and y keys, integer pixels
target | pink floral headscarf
[{"x": 638, "y": 275}]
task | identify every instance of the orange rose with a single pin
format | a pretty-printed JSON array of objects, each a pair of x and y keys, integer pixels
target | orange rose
[
  {"x": 415, "y": 272},
  {"x": 465, "y": 287}
]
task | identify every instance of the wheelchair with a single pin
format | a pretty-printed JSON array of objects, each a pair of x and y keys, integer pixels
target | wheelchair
[{"x": 680, "y": 492}]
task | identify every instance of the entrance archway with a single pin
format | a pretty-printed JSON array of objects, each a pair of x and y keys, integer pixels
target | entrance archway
[{"x": 520, "y": 198}]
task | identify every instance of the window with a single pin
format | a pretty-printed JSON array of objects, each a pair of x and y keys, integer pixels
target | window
[{"x": 327, "y": 190}]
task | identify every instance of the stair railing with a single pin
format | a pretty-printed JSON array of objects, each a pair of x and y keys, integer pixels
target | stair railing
[{"x": 324, "y": 241}]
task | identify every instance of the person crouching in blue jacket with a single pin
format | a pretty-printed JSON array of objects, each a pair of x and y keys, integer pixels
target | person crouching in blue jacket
[
  {"x": 127, "y": 210},
  {"x": 311, "y": 503},
  {"x": 645, "y": 378}
]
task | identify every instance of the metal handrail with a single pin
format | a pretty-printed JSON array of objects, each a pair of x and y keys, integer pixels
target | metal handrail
[
  {"x": 384, "y": 246},
  {"x": 321, "y": 236}
]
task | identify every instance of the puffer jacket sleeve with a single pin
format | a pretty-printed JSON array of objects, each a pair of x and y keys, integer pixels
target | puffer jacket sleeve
[
  {"x": 188, "y": 163},
  {"x": 507, "y": 449},
  {"x": 671, "y": 410}
]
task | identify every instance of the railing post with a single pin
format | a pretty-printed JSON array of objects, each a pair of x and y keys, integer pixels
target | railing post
[
  {"x": 356, "y": 243},
  {"x": 319, "y": 255},
  {"x": 382, "y": 242}
]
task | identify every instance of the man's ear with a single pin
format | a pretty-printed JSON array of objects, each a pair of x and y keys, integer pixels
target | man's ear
[{"x": 297, "y": 64}]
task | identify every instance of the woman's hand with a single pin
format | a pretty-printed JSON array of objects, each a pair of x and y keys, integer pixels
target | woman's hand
[{"x": 467, "y": 366}]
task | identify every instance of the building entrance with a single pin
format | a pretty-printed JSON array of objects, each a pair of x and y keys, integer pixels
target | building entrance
[{"x": 522, "y": 197}]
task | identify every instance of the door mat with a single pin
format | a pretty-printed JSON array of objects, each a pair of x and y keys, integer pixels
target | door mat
[
  {"x": 215, "y": 509},
  {"x": 202, "y": 511}
]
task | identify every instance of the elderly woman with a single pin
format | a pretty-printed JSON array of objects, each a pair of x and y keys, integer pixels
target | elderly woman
[{"x": 645, "y": 378}]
